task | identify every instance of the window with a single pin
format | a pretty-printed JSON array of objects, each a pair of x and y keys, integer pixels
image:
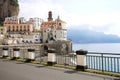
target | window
[
  {"x": 9, "y": 27},
  {"x": 22, "y": 40},
  {"x": 59, "y": 24},
  {"x": 55, "y": 36},
  {"x": 13, "y": 27},
  {"x": 8, "y": 30},
  {"x": 1, "y": 29},
  {"x": 35, "y": 36},
  {"x": 24, "y": 27},
  {"x": 20, "y": 27},
  {"x": 17, "y": 27},
  {"x": 26, "y": 41},
  {"x": 36, "y": 39}
]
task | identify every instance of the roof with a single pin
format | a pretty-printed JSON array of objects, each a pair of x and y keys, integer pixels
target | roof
[{"x": 59, "y": 20}]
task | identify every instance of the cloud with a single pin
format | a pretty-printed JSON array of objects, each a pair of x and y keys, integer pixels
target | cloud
[
  {"x": 40, "y": 8},
  {"x": 99, "y": 19}
]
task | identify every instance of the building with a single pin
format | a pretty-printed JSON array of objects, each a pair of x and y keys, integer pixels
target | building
[
  {"x": 31, "y": 38},
  {"x": 53, "y": 30},
  {"x": 2, "y": 30},
  {"x": 35, "y": 30},
  {"x": 36, "y": 22},
  {"x": 23, "y": 31},
  {"x": 15, "y": 25},
  {"x": 2, "y": 34}
]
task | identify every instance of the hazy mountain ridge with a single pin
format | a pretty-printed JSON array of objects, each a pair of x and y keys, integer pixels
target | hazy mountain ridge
[{"x": 89, "y": 36}]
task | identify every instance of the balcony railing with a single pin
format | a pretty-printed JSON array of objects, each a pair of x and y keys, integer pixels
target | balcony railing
[{"x": 109, "y": 62}]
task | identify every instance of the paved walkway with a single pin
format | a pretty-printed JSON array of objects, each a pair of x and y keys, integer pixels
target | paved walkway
[{"x": 12, "y": 70}]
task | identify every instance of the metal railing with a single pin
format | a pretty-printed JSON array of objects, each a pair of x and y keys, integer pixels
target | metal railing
[
  {"x": 66, "y": 60},
  {"x": 41, "y": 56},
  {"x": 109, "y": 62},
  {"x": 98, "y": 61}
]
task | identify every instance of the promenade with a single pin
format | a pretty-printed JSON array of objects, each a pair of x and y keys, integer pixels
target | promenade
[{"x": 12, "y": 70}]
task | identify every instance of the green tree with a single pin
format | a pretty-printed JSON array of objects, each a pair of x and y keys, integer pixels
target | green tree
[{"x": 14, "y": 3}]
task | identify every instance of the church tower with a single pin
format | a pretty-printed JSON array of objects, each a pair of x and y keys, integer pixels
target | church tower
[{"x": 50, "y": 16}]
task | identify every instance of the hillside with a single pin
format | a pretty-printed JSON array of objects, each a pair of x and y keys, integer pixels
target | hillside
[
  {"x": 8, "y": 8},
  {"x": 89, "y": 36}
]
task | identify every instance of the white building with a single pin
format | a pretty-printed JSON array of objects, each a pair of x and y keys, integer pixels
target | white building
[
  {"x": 22, "y": 20},
  {"x": 36, "y": 22},
  {"x": 53, "y": 30},
  {"x": 32, "y": 38}
]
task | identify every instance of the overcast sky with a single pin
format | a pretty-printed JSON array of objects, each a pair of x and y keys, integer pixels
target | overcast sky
[{"x": 98, "y": 15}]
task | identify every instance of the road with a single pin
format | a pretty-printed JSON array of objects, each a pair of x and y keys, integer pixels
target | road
[{"x": 12, "y": 70}]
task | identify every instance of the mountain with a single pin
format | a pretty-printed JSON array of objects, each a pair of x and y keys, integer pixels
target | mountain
[
  {"x": 89, "y": 36},
  {"x": 8, "y": 8}
]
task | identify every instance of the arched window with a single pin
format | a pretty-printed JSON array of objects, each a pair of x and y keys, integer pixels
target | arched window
[
  {"x": 27, "y": 41},
  {"x": 8, "y": 27},
  {"x": 59, "y": 24},
  {"x": 17, "y": 27},
  {"x": 24, "y": 27},
  {"x": 28, "y": 26},
  {"x": 13, "y": 27},
  {"x": 23, "y": 41},
  {"x": 20, "y": 27}
]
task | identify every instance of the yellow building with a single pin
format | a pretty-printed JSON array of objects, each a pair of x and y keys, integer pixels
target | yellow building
[
  {"x": 2, "y": 30},
  {"x": 16, "y": 25}
]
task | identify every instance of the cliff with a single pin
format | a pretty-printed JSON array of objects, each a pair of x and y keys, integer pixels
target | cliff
[{"x": 8, "y": 8}]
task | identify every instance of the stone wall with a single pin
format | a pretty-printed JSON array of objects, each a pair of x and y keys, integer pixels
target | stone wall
[{"x": 62, "y": 47}]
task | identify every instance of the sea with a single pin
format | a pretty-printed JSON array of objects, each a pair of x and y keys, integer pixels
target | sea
[
  {"x": 98, "y": 47},
  {"x": 110, "y": 63}
]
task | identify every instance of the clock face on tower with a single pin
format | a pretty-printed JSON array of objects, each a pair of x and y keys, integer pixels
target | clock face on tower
[{"x": 64, "y": 45}]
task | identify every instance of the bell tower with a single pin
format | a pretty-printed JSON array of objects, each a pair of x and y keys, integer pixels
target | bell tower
[{"x": 50, "y": 16}]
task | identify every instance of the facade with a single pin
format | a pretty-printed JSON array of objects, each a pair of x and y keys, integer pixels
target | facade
[
  {"x": 37, "y": 37},
  {"x": 35, "y": 30},
  {"x": 22, "y": 30},
  {"x": 31, "y": 38},
  {"x": 2, "y": 34},
  {"x": 15, "y": 25},
  {"x": 2, "y": 30},
  {"x": 36, "y": 22},
  {"x": 53, "y": 30}
]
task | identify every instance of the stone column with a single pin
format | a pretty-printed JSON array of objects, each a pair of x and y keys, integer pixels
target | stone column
[
  {"x": 5, "y": 52},
  {"x": 31, "y": 54},
  {"x": 16, "y": 52},
  {"x": 51, "y": 57},
  {"x": 81, "y": 60}
]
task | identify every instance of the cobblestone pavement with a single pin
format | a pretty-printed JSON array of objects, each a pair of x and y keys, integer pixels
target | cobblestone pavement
[{"x": 12, "y": 70}]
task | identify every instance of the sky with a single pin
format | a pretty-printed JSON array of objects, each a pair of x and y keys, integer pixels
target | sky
[{"x": 97, "y": 15}]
